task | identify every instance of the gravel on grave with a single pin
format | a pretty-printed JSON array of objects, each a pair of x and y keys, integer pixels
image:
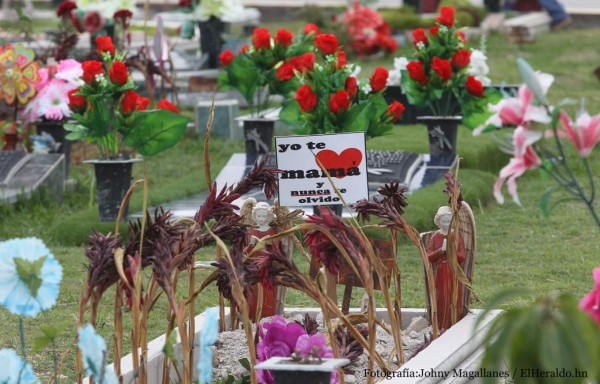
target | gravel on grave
[{"x": 231, "y": 346}]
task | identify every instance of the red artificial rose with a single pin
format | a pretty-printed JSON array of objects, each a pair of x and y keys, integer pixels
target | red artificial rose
[
  {"x": 311, "y": 27},
  {"x": 122, "y": 16},
  {"x": 474, "y": 86},
  {"x": 395, "y": 109},
  {"x": 462, "y": 37},
  {"x": 416, "y": 72},
  {"x": 166, "y": 104},
  {"x": 351, "y": 86},
  {"x": 284, "y": 37},
  {"x": 446, "y": 16},
  {"x": 327, "y": 43},
  {"x": 65, "y": 8},
  {"x": 104, "y": 44},
  {"x": 379, "y": 79},
  {"x": 303, "y": 62},
  {"x": 434, "y": 30},
  {"x": 461, "y": 58},
  {"x": 93, "y": 22},
  {"x": 339, "y": 101},
  {"x": 244, "y": 48},
  {"x": 261, "y": 38},
  {"x": 118, "y": 73},
  {"x": 341, "y": 59},
  {"x": 91, "y": 68},
  {"x": 306, "y": 98},
  {"x": 226, "y": 57},
  {"x": 77, "y": 103},
  {"x": 285, "y": 71},
  {"x": 419, "y": 36},
  {"x": 442, "y": 67},
  {"x": 132, "y": 102},
  {"x": 388, "y": 43}
]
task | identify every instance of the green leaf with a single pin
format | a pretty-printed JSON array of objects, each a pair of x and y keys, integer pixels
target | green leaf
[
  {"x": 241, "y": 76},
  {"x": 530, "y": 78},
  {"x": 555, "y": 116},
  {"x": 155, "y": 131},
  {"x": 544, "y": 200},
  {"x": 50, "y": 334},
  {"x": 168, "y": 348},
  {"x": 77, "y": 131},
  {"x": 41, "y": 342},
  {"x": 290, "y": 113},
  {"x": 357, "y": 118},
  {"x": 245, "y": 363},
  {"x": 30, "y": 273}
]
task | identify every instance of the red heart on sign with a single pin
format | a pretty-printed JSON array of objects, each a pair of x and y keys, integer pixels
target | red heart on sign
[{"x": 349, "y": 158}]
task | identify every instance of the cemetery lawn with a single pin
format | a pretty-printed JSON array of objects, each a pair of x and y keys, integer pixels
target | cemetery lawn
[{"x": 516, "y": 247}]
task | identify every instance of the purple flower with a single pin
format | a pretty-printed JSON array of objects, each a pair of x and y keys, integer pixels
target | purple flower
[{"x": 277, "y": 338}]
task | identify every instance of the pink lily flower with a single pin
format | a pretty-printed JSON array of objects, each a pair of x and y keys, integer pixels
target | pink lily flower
[
  {"x": 524, "y": 159},
  {"x": 520, "y": 110},
  {"x": 591, "y": 302},
  {"x": 584, "y": 134}
]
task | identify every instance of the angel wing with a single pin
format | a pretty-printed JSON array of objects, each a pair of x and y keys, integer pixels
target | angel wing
[
  {"x": 246, "y": 211},
  {"x": 466, "y": 223}
]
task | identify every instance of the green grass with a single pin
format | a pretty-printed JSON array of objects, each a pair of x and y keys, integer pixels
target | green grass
[{"x": 516, "y": 246}]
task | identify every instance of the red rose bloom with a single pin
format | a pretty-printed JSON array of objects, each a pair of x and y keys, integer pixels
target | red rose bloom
[
  {"x": 341, "y": 59},
  {"x": 461, "y": 59},
  {"x": 416, "y": 72},
  {"x": 474, "y": 86},
  {"x": 462, "y": 37},
  {"x": 122, "y": 16},
  {"x": 419, "y": 36},
  {"x": 284, "y": 37},
  {"x": 303, "y": 62},
  {"x": 434, "y": 30},
  {"x": 311, "y": 27},
  {"x": 91, "y": 68},
  {"x": 132, "y": 102},
  {"x": 77, "y": 103},
  {"x": 379, "y": 79},
  {"x": 65, "y": 8},
  {"x": 395, "y": 109},
  {"x": 442, "y": 67},
  {"x": 306, "y": 98},
  {"x": 104, "y": 44},
  {"x": 285, "y": 71},
  {"x": 327, "y": 43},
  {"x": 166, "y": 104},
  {"x": 446, "y": 16},
  {"x": 339, "y": 101},
  {"x": 226, "y": 57},
  {"x": 93, "y": 22},
  {"x": 387, "y": 42},
  {"x": 118, "y": 73},
  {"x": 351, "y": 86},
  {"x": 244, "y": 48},
  {"x": 261, "y": 38}
]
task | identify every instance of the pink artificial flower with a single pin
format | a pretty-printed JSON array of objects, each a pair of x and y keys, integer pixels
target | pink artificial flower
[
  {"x": 524, "y": 159},
  {"x": 317, "y": 341},
  {"x": 70, "y": 70},
  {"x": 44, "y": 77},
  {"x": 519, "y": 110},
  {"x": 51, "y": 102},
  {"x": 584, "y": 134},
  {"x": 591, "y": 302}
]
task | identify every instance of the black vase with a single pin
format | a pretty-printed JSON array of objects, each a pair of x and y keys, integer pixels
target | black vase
[
  {"x": 442, "y": 132},
  {"x": 113, "y": 179},
  {"x": 55, "y": 129},
  {"x": 211, "y": 41},
  {"x": 258, "y": 134},
  {"x": 301, "y": 377}
]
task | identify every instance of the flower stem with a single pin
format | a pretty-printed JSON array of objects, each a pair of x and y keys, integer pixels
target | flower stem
[
  {"x": 55, "y": 361},
  {"x": 22, "y": 336}
]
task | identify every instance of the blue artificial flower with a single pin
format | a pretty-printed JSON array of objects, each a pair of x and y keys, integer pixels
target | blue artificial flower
[
  {"x": 14, "y": 369},
  {"x": 29, "y": 276},
  {"x": 208, "y": 336},
  {"x": 93, "y": 352}
]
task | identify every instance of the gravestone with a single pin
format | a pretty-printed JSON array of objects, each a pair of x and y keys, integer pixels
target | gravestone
[{"x": 225, "y": 124}]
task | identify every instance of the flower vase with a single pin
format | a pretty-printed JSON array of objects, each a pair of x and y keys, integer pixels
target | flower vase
[
  {"x": 113, "y": 179},
  {"x": 258, "y": 133},
  {"x": 287, "y": 371},
  {"x": 442, "y": 132},
  {"x": 55, "y": 129},
  {"x": 211, "y": 41}
]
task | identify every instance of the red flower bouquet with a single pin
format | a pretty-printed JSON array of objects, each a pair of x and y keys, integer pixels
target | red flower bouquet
[
  {"x": 112, "y": 115},
  {"x": 437, "y": 76},
  {"x": 368, "y": 33},
  {"x": 331, "y": 100}
]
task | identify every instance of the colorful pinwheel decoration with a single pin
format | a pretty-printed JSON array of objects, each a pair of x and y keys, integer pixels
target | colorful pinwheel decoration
[{"x": 18, "y": 74}]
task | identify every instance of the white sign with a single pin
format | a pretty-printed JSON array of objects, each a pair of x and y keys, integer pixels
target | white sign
[{"x": 303, "y": 182}]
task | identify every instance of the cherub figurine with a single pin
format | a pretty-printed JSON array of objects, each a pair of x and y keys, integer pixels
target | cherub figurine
[
  {"x": 444, "y": 278},
  {"x": 262, "y": 216}
]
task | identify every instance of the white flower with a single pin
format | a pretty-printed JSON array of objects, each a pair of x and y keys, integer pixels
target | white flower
[
  {"x": 356, "y": 71},
  {"x": 29, "y": 276},
  {"x": 93, "y": 354},
  {"x": 51, "y": 102},
  {"x": 395, "y": 76},
  {"x": 229, "y": 11},
  {"x": 14, "y": 369},
  {"x": 478, "y": 67},
  {"x": 366, "y": 88}
]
